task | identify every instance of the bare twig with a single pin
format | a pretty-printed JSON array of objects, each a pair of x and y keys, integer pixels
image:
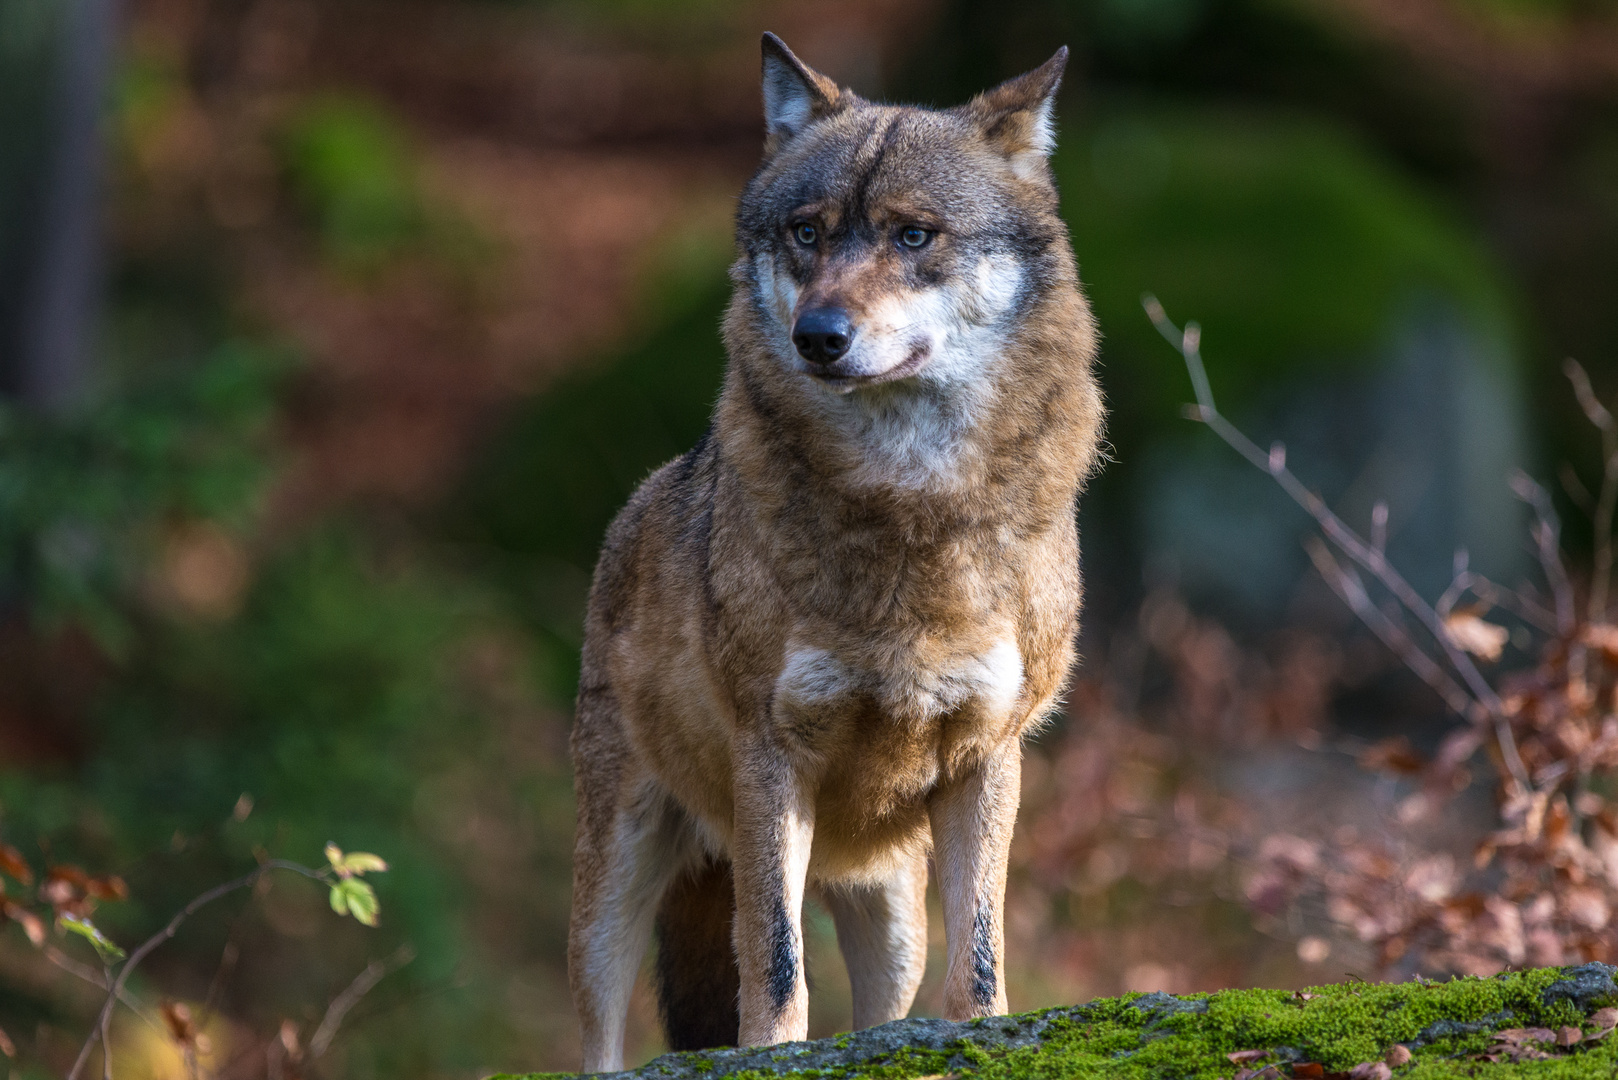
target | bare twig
[
  {"x": 1548, "y": 542},
  {"x": 97, "y": 979},
  {"x": 1601, "y": 517},
  {"x": 1575, "y": 489},
  {"x": 1494, "y": 595},
  {"x": 1525, "y": 608},
  {"x": 340, "y": 1005},
  {"x": 227, "y": 963},
  {"x": 106, "y": 1033},
  {"x": 146, "y": 947},
  {"x": 1348, "y": 586},
  {"x": 1372, "y": 560}
]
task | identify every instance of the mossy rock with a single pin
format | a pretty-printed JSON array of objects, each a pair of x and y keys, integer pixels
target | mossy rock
[{"x": 1448, "y": 1026}]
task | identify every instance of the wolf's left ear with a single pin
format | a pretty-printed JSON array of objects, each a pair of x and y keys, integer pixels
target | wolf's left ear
[
  {"x": 795, "y": 95},
  {"x": 1016, "y": 115}
]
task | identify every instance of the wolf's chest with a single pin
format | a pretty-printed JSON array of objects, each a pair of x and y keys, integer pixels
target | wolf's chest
[{"x": 825, "y": 702}]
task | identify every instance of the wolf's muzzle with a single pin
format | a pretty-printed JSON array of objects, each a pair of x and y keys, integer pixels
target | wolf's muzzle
[{"x": 822, "y": 335}]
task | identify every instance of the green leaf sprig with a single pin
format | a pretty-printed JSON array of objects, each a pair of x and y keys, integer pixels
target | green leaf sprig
[{"x": 350, "y": 895}]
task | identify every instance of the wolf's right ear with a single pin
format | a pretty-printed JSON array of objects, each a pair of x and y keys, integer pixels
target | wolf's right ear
[{"x": 795, "y": 95}]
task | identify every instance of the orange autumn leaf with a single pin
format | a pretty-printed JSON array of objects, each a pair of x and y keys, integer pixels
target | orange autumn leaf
[{"x": 1471, "y": 634}]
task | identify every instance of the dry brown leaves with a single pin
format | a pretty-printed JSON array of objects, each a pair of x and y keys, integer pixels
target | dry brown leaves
[
  {"x": 1368, "y": 1070},
  {"x": 1482, "y": 639},
  {"x": 1269, "y": 1072},
  {"x": 1542, "y": 889},
  {"x": 66, "y": 891},
  {"x": 1306, "y": 1070},
  {"x": 13, "y": 865}
]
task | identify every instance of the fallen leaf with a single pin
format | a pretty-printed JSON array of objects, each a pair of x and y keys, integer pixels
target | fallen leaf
[
  {"x": 1371, "y": 1070},
  {"x": 1568, "y": 1036},
  {"x": 1242, "y": 1057},
  {"x": 1468, "y": 632},
  {"x": 1398, "y": 1054},
  {"x": 7, "y": 1047},
  {"x": 1605, "y": 1019},
  {"x": 1515, "y": 1036},
  {"x": 1304, "y": 995},
  {"x": 1308, "y": 1070}
]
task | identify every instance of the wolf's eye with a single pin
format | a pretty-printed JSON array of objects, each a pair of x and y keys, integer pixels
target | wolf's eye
[
  {"x": 805, "y": 233},
  {"x": 914, "y": 236}
]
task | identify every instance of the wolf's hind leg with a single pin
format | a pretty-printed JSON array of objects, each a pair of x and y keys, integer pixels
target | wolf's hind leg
[
  {"x": 882, "y": 933},
  {"x": 627, "y": 852}
]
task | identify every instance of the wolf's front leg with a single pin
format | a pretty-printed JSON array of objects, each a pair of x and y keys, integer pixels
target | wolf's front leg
[
  {"x": 770, "y": 855},
  {"x": 972, "y": 817}
]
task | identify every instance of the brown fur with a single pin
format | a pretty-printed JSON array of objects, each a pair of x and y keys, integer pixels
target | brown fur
[{"x": 815, "y": 642}]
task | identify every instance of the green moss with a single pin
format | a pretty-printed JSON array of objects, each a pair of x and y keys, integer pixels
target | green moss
[{"x": 1158, "y": 1037}]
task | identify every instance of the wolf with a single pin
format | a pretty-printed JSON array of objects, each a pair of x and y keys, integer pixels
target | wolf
[{"x": 815, "y": 643}]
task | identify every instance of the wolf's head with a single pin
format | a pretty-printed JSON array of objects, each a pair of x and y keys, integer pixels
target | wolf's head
[{"x": 885, "y": 243}]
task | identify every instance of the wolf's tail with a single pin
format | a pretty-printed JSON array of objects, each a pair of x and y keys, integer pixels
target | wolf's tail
[{"x": 697, "y": 981}]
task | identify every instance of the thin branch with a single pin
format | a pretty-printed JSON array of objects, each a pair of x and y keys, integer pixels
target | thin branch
[
  {"x": 1458, "y": 587},
  {"x": 1548, "y": 543},
  {"x": 106, "y": 1034},
  {"x": 1601, "y": 573},
  {"x": 1348, "y": 586},
  {"x": 146, "y": 947},
  {"x": 1575, "y": 489},
  {"x": 1525, "y": 608},
  {"x": 340, "y": 1005},
  {"x": 97, "y": 979},
  {"x": 1494, "y": 596},
  {"x": 1349, "y": 542}
]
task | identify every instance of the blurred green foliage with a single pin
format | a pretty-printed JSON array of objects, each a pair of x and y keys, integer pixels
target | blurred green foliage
[
  {"x": 1296, "y": 248},
  {"x": 349, "y": 165},
  {"x": 328, "y": 681},
  {"x": 329, "y": 697},
  {"x": 536, "y": 504},
  {"x": 81, "y": 500}
]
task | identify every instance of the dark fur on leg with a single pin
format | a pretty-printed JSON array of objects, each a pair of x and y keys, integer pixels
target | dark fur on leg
[{"x": 697, "y": 979}]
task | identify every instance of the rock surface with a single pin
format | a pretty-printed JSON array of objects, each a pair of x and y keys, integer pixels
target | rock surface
[{"x": 1449, "y": 1027}]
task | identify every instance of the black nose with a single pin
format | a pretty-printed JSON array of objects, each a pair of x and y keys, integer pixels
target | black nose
[{"x": 822, "y": 334}]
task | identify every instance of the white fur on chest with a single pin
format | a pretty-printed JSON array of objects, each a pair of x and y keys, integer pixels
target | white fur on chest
[{"x": 815, "y": 687}]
